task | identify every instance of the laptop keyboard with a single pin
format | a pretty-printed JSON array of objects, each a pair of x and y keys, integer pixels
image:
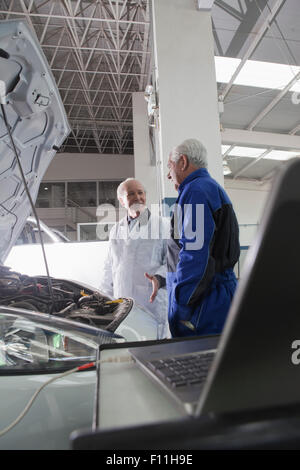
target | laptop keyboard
[{"x": 179, "y": 371}]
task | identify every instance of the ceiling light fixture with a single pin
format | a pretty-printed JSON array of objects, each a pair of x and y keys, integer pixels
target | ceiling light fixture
[
  {"x": 226, "y": 169},
  {"x": 251, "y": 152},
  {"x": 281, "y": 155},
  {"x": 256, "y": 152},
  {"x": 256, "y": 73},
  {"x": 224, "y": 148}
]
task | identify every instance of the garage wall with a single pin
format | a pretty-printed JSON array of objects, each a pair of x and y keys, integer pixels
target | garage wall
[
  {"x": 89, "y": 166},
  {"x": 248, "y": 199},
  {"x": 82, "y": 167}
]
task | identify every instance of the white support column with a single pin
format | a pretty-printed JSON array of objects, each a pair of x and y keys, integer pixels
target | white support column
[
  {"x": 144, "y": 164},
  {"x": 185, "y": 82}
]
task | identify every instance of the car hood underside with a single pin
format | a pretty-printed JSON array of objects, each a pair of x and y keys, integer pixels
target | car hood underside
[{"x": 34, "y": 129}]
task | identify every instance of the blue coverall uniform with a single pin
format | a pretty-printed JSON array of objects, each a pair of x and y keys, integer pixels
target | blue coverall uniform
[{"x": 202, "y": 251}]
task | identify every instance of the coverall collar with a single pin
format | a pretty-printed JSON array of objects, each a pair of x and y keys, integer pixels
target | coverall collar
[{"x": 196, "y": 174}]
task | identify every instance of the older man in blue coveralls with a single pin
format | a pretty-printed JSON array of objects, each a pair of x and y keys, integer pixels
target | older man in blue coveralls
[{"x": 203, "y": 248}]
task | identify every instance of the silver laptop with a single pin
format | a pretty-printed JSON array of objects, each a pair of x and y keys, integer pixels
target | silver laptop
[
  {"x": 180, "y": 368},
  {"x": 251, "y": 365}
]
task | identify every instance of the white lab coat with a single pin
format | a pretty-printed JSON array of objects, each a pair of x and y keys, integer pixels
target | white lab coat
[{"x": 134, "y": 250}]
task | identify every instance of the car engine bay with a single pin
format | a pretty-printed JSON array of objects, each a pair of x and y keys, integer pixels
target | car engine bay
[{"x": 68, "y": 299}]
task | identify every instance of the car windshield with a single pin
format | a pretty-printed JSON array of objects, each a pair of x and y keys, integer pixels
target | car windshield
[{"x": 30, "y": 345}]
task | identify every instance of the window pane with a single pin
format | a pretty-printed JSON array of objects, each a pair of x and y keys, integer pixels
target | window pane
[
  {"x": 108, "y": 192},
  {"x": 51, "y": 195},
  {"x": 83, "y": 194},
  {"x": 94, "y": 231}
]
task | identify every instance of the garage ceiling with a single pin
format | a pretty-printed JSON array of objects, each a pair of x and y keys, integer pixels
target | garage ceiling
[
  {"x": 100, "y": 52},
  {"x": 268, "y": 31}
]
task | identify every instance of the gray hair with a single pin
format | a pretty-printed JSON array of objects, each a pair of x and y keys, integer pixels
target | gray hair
[
  {"x": 120, "y": 188},
  {"x": 194, "y": 150}
]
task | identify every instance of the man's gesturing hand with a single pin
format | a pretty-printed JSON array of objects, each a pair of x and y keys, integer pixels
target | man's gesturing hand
[{"x": 155, "y": 286}]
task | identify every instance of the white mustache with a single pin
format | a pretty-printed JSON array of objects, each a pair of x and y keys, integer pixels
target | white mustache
[{"x": 137, "y": 205}]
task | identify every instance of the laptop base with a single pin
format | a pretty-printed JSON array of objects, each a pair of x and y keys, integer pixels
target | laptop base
[{"x": 274, "y": 428}]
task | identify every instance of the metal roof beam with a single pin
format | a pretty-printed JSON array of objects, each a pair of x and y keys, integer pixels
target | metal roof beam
[
  {"x": 273, "y": 103},
  {"x": 97, "y": 49},
  {"x": 125, "y": 92},
  {"x": 70, "y": 17},
  {"x": 81, "y": 70},
  {"x": 259, "y": 139},
  {"x": 251, "y": 164},
  {"x": 231, "y": 10},
  {"x": 258, "y": 37}
]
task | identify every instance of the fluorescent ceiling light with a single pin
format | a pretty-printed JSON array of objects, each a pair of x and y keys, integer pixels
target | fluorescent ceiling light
[
  {"x": 224, "y": 148},
  {"x": 256, "y": 73},
  {"x": 255, "y": 152},
  {"x": 205, "y": 5},
  {"x": 251, "y": 152},
  {"x": 281, "y": 155},
  {"x": 225, "y": 67},
  {"x": 226, "y": 170}
]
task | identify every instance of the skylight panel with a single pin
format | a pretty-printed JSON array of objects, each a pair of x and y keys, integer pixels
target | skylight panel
[
  {"x": 266, "y": 74},
  {"x": 224, "y": 148},
  {"x": 256, "y": 73},
  {"x": 281, "y": 155},
  {"x": 225, "y": 67},
  {"x": 252, "y": 152}
]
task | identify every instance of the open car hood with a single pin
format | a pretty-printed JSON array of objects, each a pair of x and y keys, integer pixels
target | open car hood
[{"x": 37, "y": 120}]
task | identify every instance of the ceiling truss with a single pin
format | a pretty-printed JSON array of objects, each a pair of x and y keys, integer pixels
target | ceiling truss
[{"x": 99, "y": 54}]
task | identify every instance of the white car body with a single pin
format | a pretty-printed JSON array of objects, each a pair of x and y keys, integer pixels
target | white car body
[
  {"x": 27, "y": 341},
  {"x": 80, "y": 262}
]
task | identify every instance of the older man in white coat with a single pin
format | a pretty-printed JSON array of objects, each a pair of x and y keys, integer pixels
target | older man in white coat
[{"x": 135, "y": 265}]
